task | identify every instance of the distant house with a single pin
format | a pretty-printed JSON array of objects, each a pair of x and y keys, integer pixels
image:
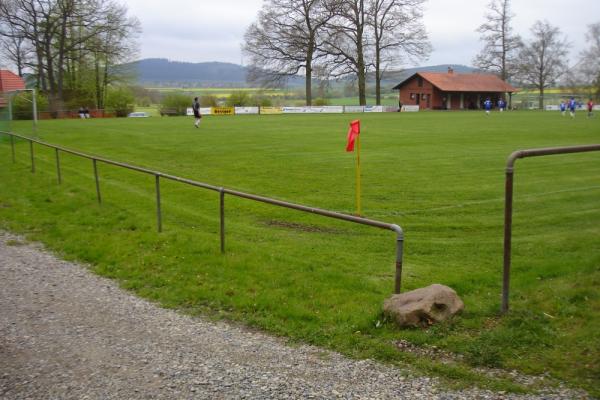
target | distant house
[
  {"x": 9, "y": 82},
  {"x": 451, "y": 91}
]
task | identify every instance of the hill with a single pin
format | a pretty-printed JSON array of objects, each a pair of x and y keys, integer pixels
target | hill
[{"x": 162, "y": 72}]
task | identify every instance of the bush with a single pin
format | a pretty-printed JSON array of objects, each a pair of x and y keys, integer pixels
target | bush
[
  {"x": 23, "y": 107},
  {"x": 175, "y": 104},
  {"x": 238, "y": 98},
  {"x": 120, "y": 100},
  {"x": 209, "y": 101},
  {"x": 320, "y": 102},
  {"x": 262, "y": 101}
]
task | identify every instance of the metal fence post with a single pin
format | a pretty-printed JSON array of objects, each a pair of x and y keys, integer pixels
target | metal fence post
[
  {"x": 97, "y": 181},
  {"x": 158, "y": 209},
  {"x": 399, "y": 255},
  {"x": 508, "y": 205},
  {"x": 222, "y": 218},
  {"x": 59, "y": 178},
  {"x": 32, "y": 161},
  {"x": 12, "y": 145}
]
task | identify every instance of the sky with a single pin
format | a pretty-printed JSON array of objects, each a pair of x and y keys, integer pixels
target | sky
[{"x": 202, "y": 30}]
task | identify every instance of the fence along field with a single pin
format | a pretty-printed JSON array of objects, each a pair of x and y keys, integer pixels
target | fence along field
[{"x": 439, "y": 175}]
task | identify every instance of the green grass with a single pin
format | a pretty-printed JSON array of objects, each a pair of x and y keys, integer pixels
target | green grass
[{"x": 439, "y": 175}]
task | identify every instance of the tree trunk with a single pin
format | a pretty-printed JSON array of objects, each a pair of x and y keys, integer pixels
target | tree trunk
[
  {"x": 308, "y": 78},
  {"x": 98, "y": 86},
  {"x": 377, "y": 77}
]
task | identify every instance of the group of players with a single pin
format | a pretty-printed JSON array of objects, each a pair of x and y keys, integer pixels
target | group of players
[
  {"x": 487, "y": 105},
  {"x": 571, "y": 105}
]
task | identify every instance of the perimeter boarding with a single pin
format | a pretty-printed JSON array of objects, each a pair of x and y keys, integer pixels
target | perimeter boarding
[{"x": 298, "y": 110}]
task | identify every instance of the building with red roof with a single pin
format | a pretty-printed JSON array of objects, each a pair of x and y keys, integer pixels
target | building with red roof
[
  {"x": 451, "y": 91},
  {"x": 8, "y": 83}
]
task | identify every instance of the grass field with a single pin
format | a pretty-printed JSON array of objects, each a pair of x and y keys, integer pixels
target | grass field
[{"x": 438, "y": 175}]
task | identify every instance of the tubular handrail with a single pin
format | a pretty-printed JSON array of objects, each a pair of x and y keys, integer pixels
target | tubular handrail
[
  {"x": 508, "y": 202},
  {"x": 222, "y": 191}
]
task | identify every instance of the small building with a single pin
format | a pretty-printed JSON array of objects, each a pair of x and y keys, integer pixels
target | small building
[
  {"x": 9, "y": 82},
  {"x": 451, "y": 91}
]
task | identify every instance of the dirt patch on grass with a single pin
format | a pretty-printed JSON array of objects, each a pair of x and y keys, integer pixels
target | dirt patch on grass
[{"x": 300, "y": 227}]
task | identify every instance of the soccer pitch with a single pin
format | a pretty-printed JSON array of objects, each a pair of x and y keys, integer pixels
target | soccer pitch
[{"x": 439, "y": 175}]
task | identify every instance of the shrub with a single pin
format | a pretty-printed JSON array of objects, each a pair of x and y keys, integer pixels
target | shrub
[
  {"x": 208, "y": 101},
  {"x": 23, "y": 107},
  {"x": 120, "y": 100},
  {"x": 175, "y": 103},
  {"x": 262, "y": 101},
  {"x": 320, "y": 102},
  {"x": 238, "y": 98}
]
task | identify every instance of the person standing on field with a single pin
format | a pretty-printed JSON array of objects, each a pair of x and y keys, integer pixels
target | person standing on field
[
  {"x": 501, "y": 105},
  {"x": 572, "y": 105},
  {"x": 590, "y": 105},
  {"x": 196, "y": 108},
  {"x": 487, "y": 104},
  {"x": 563, "y": 108}
]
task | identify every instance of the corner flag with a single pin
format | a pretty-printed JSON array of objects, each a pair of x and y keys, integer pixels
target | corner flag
[
  {"x": 353, "y": 133},
  {"x": 353, "y": 137}
]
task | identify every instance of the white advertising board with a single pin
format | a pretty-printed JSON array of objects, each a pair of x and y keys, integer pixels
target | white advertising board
[
  {"x": 313, "y": 110},
  {"x": 203, "y": 111},
  {"x": 410, "y": 108},
  {"x": 354, "y": 109},
  {"x": 373, "y": 109},
  {"x": 552, "y": 107},
  {"x": 246, "y": 110}
]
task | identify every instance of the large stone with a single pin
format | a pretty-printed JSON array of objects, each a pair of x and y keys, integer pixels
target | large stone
[{"x": 423, "y": 307}]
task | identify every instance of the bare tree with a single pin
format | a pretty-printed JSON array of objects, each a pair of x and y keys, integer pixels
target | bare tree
[
  {"x": 398, "y": 33},
  {"x": 589, "y": 66},
  {"x": 347, "y": 43},
  {"x": 285, "y": 41},
  {"x": 15, "y": 50},
  {"x": 501, "y": 46},
  {"x": 543, "y": 59},
  {"x": 60, "y": 30}
]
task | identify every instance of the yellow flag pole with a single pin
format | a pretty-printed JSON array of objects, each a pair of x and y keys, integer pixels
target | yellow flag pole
[{"x": 358, "y": 210}]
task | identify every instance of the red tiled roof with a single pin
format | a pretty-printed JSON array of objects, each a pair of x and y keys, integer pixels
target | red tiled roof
[
  {"x": 453, "y": 82},
  {"x": 10, "y": 81}
]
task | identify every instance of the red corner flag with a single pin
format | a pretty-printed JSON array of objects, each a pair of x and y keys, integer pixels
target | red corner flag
[{"x": 353, "y": 133}]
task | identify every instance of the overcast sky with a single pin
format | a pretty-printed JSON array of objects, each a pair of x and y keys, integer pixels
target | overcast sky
[{"x": 202, "y": 30}]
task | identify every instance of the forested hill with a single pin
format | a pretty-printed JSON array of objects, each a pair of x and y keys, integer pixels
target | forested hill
[
  {"x": 166, "y": 73},
  {"x": 163, "y": 72}
]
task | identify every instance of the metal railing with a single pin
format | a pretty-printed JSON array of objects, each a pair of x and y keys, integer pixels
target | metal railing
[
  {"x": 508, "y": 203},
  {"x": 221, "y": 190}
]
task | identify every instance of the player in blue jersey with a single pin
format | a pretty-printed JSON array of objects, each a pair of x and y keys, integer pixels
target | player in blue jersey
[
  {"x": 572, "y": 105},
  {"x": 563, "y": 108},
  {"x": 501, "y": 105},
  {"x": 487, "y": 104}
]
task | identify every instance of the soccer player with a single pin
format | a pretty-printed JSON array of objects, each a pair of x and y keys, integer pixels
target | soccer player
[
  {"x": 196, "y": 108},
  {"x": 501, "y": 105},
  {"x": 590, "y": 106},
  {"x": 487, "y": 104},
  {"x": 572, "y": 105},
  {"x": 563, "y": 108}
]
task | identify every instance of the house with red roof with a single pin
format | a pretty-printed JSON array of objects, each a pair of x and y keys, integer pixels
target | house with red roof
[
  {"x": 451, "y": 91},
  {"x": 8, "y": 83}
]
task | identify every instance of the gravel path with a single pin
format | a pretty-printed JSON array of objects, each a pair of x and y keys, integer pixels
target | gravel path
[{"x": 66, "y": 333}]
